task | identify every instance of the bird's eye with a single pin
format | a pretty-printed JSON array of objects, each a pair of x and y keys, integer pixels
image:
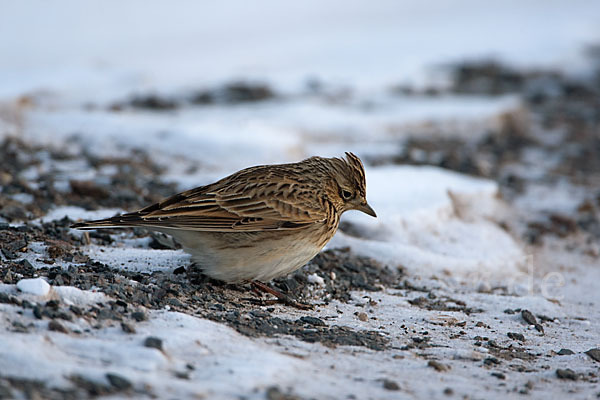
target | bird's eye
[{"x": 346, "y": 194}]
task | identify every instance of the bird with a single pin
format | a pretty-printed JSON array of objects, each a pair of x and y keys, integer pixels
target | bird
[{"x": 259, "y": 223}]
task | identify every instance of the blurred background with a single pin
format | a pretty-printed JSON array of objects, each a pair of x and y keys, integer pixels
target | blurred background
[{"x": 271, "y": 81}]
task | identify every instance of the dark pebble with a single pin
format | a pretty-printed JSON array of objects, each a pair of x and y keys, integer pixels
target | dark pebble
[
  {"x": 182, "y": 375},
  {"x": 153, "y": 342},
  {"x": 594, "y": 354},
  {"x": 448, "y": 391},
  {"x": 127, "y": 328},
  {"x": 25, "y": 263},
  {"x": 438, "y": 366},
  {"x": 37, "y": 312},
  {"x": 179, "y": 271},
  {"x": 93, "y": 388},
  {"x": 57, "y": 327},
  {"x": 566, "y": 374},
  {"x": 139, "y": 316},
  {"x": 121, "y": 303},
  {"x": 516, "y": 336},
  {"x": 388, "y": 384},
  {"x": 530, "y": 319},
  {"x": 312, "y": 321},
  {"x": 8, "y": 299},
  {"x": 498, "y": 375},
  {"x": 118, "y": 382},
  {"x": 565, "y": 352},
  {"x": 491, "y": 361}
]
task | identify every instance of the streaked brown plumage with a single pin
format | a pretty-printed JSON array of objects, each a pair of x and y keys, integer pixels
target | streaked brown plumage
[{"x": 259, "y": 223}]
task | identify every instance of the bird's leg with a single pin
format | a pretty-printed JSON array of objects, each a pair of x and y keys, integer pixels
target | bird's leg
[{"x": 282, "y": 297}]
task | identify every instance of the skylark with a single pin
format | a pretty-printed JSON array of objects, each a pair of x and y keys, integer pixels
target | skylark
[{"x": 259, "y": 223}]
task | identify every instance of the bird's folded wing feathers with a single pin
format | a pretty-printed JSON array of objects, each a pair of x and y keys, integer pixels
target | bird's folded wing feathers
[{"x": 203, "y": 209}]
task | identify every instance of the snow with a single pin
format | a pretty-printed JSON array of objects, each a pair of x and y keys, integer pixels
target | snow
[
  {"x": 156, "y": 45},
  {"x": 73, "y": 296},
  {"x": 36, "y": 286},
  {"x": 420, "y": 228},
  {"x": 78, "y": 213}
]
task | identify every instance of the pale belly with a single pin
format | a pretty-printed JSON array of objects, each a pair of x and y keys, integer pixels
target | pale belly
[{"x": 237, "y": 257}]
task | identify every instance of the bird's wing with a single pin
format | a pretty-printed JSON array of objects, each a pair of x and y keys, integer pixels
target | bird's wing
[{"x": 256, "y": 206}]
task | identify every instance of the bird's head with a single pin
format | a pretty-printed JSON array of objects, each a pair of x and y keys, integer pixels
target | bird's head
[{"x": 350, "y": 187}]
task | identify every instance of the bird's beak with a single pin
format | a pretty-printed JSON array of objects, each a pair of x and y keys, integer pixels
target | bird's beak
[{"x": 366, "y": 208}]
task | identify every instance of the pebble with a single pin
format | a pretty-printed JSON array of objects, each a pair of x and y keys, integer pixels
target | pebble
[
  {"x": 362, "y": 316},
  {"x": 594, "y": 354},
  {"x": 565, "y": 352},
  {"x": 57, "y": 327},
  {"x": 566, "y": 374},
  {"x": 153, "y": 342},
  {"x": 516, "y": 336},
  {"x": 118, "y": 382},
  {"x": 127, "y": 328},
  {"x": 389, "y": 384},
  {"x": 139, "y": 316},
  {"x": 35, "y": 286},
  {"x": 438, "y": 366}
]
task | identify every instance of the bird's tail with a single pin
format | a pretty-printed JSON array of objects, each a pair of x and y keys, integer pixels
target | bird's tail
[{"x": 120, "y": 221}]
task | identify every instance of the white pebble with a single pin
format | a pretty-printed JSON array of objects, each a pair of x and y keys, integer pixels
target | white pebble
[
  {"x": 316, "y": 279},
  {"x": 36, "y": 286}
]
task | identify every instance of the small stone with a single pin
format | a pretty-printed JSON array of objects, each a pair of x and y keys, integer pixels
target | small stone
[
  {"x": 565, "y": 352},
  {"x": 179, "y": 271},
  {"x": 389, "y": 384},
  {"x": 491, "y": 361},
  {"x": 139, "y": 316},
  {"x": 36, "y": 286},
  {"x": 438, "y": 366},
  {"x": 516, "y": 336},
  {"x": 499, "y": 375},
  {"x": 118, "y": 382},
  {"x": 312, "y": 321},
  {"x": 185, "y": 375},
  {"x": 26, "y": 264},
  {"x": 448, "y": 391},
  {"x": 530, "y": 319},
  {"x": 275, "y": 393},
  {"x": 127, "y": 328},
  {"x": 594, "y": 354},
  {"x": 566, "y": 374},
  {"x": 153, "y": 342},
  {"x": 57, "y": 327},
  {"x": 362, "y": 316}
]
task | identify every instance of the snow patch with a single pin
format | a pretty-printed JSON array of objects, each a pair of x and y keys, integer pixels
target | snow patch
[
  {"x": 418, "y": 226},
  {"x": 35, "y": 286}
]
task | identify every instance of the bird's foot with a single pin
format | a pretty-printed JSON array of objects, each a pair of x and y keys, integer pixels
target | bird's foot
[{"x": 283, "y": 298}]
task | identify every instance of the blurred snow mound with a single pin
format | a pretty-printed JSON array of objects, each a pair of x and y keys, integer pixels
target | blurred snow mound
[{"x": 432, "y": 220}]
